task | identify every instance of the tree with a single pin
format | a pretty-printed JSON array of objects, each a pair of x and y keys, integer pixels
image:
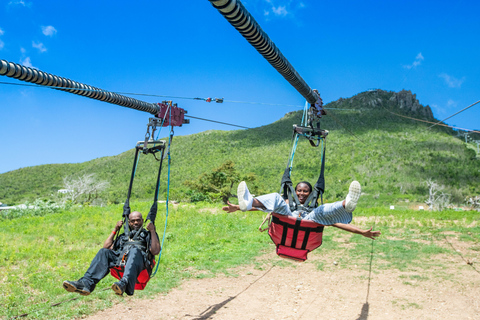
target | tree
[
  {"x": 218, "y": 184},
  {"x": 83, "y": 189},
  {"x": 437, "y": 200},
  {"x": 474, "y": 201}
]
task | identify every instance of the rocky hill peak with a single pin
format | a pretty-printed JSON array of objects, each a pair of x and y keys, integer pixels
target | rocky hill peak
[{"x": 403, "y": 101}]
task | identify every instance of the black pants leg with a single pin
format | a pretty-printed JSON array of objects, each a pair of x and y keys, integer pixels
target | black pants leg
[
  {"x": 134, "y": 265},
  {"x": 99, "y": 268}
]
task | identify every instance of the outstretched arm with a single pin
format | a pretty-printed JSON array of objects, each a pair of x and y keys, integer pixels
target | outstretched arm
[
  {"x": 155, "y": 244},
  {"x": 351, "y": 228},
  {"x": 108, "y": 244}
]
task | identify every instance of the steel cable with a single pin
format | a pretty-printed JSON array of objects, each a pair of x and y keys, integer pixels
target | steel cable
[
  {"x": 243, "y": 21},
  {"x": 27, "y": 74}
]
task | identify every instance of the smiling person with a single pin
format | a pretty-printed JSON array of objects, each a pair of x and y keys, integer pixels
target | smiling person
[
  {"x": 337, "y": 214},
  {"x": 134, "y": 251}
]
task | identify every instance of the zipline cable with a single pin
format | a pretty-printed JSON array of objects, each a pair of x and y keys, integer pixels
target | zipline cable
[
  {"x": 435, "y": 123},
  {"x": 252, "y": 102},
  {"x": 228, "y": 124},
  {"x": 27, "y": 74},
  {"x": 455, "y": 113},
  {"x": 243, "y": 21},
  {"x": 177, "y": 97}
]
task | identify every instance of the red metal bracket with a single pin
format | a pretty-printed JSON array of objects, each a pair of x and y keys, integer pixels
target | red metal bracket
[{"x": 177, "y": 118}]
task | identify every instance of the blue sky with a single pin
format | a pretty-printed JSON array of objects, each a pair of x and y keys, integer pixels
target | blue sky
[{"x": 187, "y": 49}]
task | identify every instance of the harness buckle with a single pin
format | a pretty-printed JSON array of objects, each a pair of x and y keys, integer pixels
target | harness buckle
[{"x": 122, "y": 262}]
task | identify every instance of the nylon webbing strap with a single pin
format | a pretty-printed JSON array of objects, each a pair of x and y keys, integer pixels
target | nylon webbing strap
[
  {"x": 295, "y": 232},
  {"x": 152, "y": 214},
  {"x": 296, "y": 228},
  {"x": 319, "y": 187},
  {"x": 305, "y": 239},
  {"x": 126, "y": 206},
  {"x": 288, "y": 192}
]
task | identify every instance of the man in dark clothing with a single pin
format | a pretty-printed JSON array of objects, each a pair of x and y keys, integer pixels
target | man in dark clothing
[{"x": 132, "y": 250}]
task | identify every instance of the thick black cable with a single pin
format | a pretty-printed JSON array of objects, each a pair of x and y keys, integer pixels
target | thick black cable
[
  {"x": 243, "y": 21},
  {"x": 27, "y": 74},
  {"x": 176, "y": 97},
  {"x": 262, "y": 103}
]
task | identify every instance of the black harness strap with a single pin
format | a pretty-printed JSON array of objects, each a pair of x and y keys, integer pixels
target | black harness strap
[
  {"x": 126, "y": 206},
  {"x": 288, "y": 192},
  {"x": 296, "y": 228},
  {"x": 295, "y": 232},
  {"x": 305, "y": 239},
  {"x": 319, "y": 187},
  {"x": 152, "y": 214}
]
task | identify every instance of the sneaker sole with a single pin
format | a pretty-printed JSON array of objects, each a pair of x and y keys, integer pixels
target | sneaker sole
[
  {"x": 67, "y": 286},
  {"x": 354, "y": 192},
  {"x": 117, "y": 289},
  {"x": 241, "y": 194}
]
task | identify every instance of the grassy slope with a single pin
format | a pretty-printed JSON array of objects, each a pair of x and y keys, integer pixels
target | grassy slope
[
  {"x": 38, "y": 253},
  {"x": 391, "y": 156}
]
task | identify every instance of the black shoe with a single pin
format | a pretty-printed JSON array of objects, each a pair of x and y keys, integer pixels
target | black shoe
[
  {"x": 119, "y": 287},
  {"x": 76, "y": 286}
]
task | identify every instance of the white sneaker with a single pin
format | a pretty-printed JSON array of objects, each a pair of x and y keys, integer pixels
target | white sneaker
[
  {"x": 245, "y": 199},
  {"x": 352, "y": 197}
]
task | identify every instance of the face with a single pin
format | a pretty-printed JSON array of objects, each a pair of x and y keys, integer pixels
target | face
[
  {"x": 302, "y": 191},
  {"x": 135, "y": 220}
]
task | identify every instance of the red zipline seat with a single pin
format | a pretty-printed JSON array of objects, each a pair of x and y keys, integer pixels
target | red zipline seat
[
  {"x": 294, "y": 237},
  {"x": 142, "y": 278}
]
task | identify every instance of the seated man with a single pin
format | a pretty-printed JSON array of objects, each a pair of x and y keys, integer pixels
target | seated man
[{"x": 132, "y": 249}]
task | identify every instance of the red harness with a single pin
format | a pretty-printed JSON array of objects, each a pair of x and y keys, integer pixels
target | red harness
[
  {"x": 142, "y": 278},
  {"x": 294, "y": 237}
]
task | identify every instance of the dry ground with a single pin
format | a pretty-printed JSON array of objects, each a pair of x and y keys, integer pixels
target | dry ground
[{"x": 302, "y": 291}]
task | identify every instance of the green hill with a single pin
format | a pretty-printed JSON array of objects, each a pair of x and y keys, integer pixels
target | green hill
[{"x": 369, "y": 140}]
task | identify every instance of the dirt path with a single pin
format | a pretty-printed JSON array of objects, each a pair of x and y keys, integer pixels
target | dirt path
[{"x": 276, "y": 292}]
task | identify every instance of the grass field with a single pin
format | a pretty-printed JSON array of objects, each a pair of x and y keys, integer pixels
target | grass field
[{"x": 39, "y": 252}]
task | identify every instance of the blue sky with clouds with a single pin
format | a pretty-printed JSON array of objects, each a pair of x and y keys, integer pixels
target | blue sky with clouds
[{"x": 187, "y": 49}]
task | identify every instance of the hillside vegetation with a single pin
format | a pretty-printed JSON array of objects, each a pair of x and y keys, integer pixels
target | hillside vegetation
[{"x": 390, "y": 155}]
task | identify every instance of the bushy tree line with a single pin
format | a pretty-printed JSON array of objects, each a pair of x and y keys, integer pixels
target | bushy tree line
[{"x": 391, "y": 156}]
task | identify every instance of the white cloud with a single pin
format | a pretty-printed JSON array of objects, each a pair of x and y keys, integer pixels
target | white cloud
[
  {"x": 23, "y": 51},
  {"x": 452, "y": 82},
  {"x": 1, "y": 32},
  {"x": 281, "y": 8},
  {"x": 438, "y": 110},
  {"x": 280, "y": 11},
  {"x": 445, "y": 109},
  {"x": 49, "y": 30},
  {"x": 418, "y": 60},
  {"x": 2, "y": 44},
  {"x": 26, "y": 62},
  {"x": 452, "y": 104},
  {"x": 40, "y": 46},
  {"x": 20, "y": 3}
]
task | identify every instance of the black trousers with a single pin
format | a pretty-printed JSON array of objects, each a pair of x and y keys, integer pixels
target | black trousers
[{"x": 106, "y": 259}]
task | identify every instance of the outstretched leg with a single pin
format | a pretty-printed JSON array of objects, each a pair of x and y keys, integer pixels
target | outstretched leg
[
  {"x": 337, "y": 212},
  {"x": 272, "y": 202},
  {"x": 99, "y": 268}
]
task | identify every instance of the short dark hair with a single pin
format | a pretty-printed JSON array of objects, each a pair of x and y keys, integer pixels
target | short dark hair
[{"x": 305, "y": 182}]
